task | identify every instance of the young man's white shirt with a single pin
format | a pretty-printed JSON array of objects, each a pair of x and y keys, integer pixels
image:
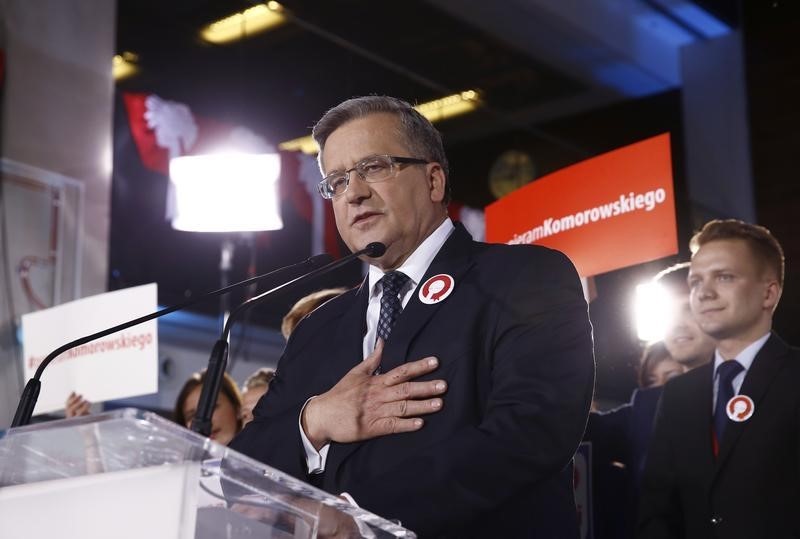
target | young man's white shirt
[{"x": 745, "y": 359}]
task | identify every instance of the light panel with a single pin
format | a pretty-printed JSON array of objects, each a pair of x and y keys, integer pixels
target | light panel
[
  {"x": 226, "y": 192},
  {"x": 249, "y": 22},
  {"x": 447, "y": 107},
  {"x": 124, "y": 65},
  {"x": 304, "y": 144}
]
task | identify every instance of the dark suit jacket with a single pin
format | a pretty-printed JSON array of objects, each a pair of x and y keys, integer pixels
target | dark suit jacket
[
  {"x": 621, "y": 435},
  {"x": 752, "y": 489},
  {"x": 514, "y": 344}
]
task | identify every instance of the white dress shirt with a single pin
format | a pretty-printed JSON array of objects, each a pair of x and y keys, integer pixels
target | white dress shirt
[
  {"x": 745, "y": 358},
  {"x": 414, "y": 267}
]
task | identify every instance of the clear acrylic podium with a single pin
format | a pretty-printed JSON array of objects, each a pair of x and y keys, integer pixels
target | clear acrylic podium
[{"x": 132, "y": 474}]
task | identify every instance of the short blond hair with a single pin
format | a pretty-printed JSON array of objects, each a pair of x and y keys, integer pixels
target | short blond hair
[
  {"x": 304, "y": 306},
  {"x": 261, "y": 378},
  {"x": 766, "y": 249}
]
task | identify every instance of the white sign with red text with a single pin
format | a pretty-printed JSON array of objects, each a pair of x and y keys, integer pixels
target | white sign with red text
[{"x": 119, "y": 365}]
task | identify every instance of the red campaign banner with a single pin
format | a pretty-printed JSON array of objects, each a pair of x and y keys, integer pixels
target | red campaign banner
[{"x": 605, "y": 213}]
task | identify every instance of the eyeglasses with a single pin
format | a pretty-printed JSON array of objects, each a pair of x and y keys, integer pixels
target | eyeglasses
[{"x": 375, "y": 168}]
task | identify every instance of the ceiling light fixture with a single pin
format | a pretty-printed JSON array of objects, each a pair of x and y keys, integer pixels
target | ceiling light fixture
[
  {"x": 124, "y": 65},
  {"x": 435, "y": 111},
  {"x": 447, "y": 107},
  {"x": 247, "y": 23},
  {"x": 304, "y": 144}
]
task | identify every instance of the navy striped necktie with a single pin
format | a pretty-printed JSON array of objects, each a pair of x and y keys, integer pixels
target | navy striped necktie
[{"x": 726, "y": 372}]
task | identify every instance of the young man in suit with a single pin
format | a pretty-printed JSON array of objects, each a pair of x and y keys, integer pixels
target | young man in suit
[
  {"x": 491, "y": 344},
  {"x": 723, "y": 461}
]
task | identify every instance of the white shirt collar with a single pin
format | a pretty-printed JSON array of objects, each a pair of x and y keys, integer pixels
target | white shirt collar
[
  {"x": 745, "y": 357},
  {"x": 417, "y": 264}
]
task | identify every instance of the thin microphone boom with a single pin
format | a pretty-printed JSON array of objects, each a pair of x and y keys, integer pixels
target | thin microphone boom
[
  {"x": 219, "y": 354},
  {"x": 373, "y": 250},
  {"x": 30, "y": 394}
]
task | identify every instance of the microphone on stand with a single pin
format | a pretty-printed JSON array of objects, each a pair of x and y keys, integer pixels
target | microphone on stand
[
  {"x": 218, "y": 361},
  {"x": 30, "y": 394}
]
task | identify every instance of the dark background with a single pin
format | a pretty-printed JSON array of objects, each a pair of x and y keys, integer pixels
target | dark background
[{"x": 280, "y": 82}]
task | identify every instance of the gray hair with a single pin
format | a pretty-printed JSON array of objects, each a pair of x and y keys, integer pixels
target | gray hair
[{"x": 420, "y": 137}]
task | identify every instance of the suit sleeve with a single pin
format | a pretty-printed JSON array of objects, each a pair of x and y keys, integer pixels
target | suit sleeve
[
  {"x": 275, "y": 417},
  {"x": 542, "y": 379},
  {"x": 659, "y": 510},
  {"x": 609, "y": 433}
]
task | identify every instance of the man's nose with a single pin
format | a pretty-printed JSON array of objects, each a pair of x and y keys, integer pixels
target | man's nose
[
  {"x": 706, "y": 290},
  {"x": 357, "y": 188},
  {"x": 677, "y": 324}
]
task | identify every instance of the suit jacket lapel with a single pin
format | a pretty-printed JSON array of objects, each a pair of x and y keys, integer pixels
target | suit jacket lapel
[
  {"x": 345, "y": 353},
  {"x": 699, "y": 419},
  {"x": 762, "y": 372},
  {"x": 346, "y": 349},
  {"x": 453, "y": 259}
]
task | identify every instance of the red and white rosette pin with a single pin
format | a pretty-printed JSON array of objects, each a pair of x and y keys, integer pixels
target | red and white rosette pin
[
  {"x": 740, "y": 408},
  {"x": 436, "y": 289}
]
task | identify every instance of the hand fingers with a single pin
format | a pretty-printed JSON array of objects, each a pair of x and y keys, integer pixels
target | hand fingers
[
  {"x": 393, "y": 425},
  {"x": 409, "y": 371},
  {"x": 416, "y": 390},
  {"x": 412, "y": 408},
  {"x": 77, "y": 406},
  {"x": 72, "y": 404},
  {"x": 372, "y": 361},
  {"x": 84, "y": 408}
]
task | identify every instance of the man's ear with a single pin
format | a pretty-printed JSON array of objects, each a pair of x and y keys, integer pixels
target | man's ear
[
  {"x": 437, "y": 182},
  {"x": 772, "y": 294}
]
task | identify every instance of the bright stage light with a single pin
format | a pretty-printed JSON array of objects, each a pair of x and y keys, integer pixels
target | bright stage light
[
  {"x": 226, "y": 192},
  {"x": 653, "y": 310}
]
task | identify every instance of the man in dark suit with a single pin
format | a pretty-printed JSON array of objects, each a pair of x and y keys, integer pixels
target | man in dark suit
[
  {"x": 491, "y": 343},
  {"x": 620, "y": 438},
  {"x": 723, "y": 461}
]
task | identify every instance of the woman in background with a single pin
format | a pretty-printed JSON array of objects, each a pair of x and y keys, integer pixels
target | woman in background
[
  {"x": 226, "y": 421},
  {"x": 657, "y": 367}
]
